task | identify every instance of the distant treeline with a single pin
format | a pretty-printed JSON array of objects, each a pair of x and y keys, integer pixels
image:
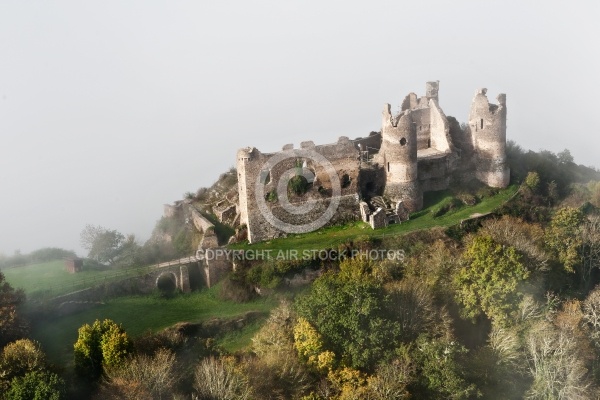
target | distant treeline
[{"x": 37, "y": 256}]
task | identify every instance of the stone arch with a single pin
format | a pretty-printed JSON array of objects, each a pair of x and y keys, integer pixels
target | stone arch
[{"x": 168, "y": 274}]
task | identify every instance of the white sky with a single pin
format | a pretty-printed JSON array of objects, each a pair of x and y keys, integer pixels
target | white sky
[{"x": 109, "y": 109}]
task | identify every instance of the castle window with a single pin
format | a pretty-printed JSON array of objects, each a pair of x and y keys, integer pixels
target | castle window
[
  {"x": 481, "y": 123},
  {"x": 388, "y": 167},
  {"x": 403, "y": 142},
  {"x": 428, "y": 142}
]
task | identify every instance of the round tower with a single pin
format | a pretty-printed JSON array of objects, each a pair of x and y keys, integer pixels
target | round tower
[
  {"x": 398, "y": 155},
  {"x": 487, "y": 123}
]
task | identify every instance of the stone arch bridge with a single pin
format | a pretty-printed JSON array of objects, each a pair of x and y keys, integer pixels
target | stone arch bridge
[{"x": 178, "y": 271}]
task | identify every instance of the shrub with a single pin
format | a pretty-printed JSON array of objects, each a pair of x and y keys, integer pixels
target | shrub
[
  {"x": 103, "y": 344},
  {"x": 154, "y": 376},
  {"x": 298, "y": 185},
  {"x": 37, "y": 385},
  {"x": 220, "y": 379}
]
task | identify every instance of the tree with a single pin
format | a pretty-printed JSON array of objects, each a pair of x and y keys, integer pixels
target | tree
[
  {"x": 37, "y": 385},
  {"x": 101, "y": 345},
  {"x": 556, "y": 365},
  {"x": 590, "y": 248},
  {"x": 564, "y": 238},
  {"x": 488, "y": 281},
  {"x": 19, "y": 358},
  {"x": 439, "y": 370},
  {"x": 103, "y": 245},
  {"x": 11, "y": 325},
  {"x": 352, "y": 318}
]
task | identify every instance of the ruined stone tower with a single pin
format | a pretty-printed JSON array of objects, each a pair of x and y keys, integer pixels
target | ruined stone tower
[
  {"x": 487, "y": 125},
  {"x": 398, "y": 155}
]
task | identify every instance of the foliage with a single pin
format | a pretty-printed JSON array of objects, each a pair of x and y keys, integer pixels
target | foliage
[
  {"x": 220, "y": 379},
  {"x": 532, "y": 180},
  {"x": 309, "y": 344},
  {"x": 277, "y": 376},
  {"x": 101, "y": 345},
  {"x": 20, "y": 357},
  {"x": 37, "y": 385},
  {"x": 276, "y": 372},
  {"x": 183, "y": 242},
  {"x": 103, "y": 245},
  {"x": 414, "y": 307},
  {"x": 488, "y": 281},
  {"x": 235, "y": 288},
  {"x": 11, "y": 325},
  {"x": 351, "y": 317},
  {"x": 440, "y": 372},
  {"x": 152, "y": 375},
  {"x": 271, "y": 197},
  {"x": 276, "y": 336},
  {"x": 563, "y": 236},
  {"x": 298, "y": 185},
  {"x": 445, "y": 206},
  {"x": 391, "y": 380}
]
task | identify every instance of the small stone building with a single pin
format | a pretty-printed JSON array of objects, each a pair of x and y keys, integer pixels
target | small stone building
[{"x": 73, "y": 265}]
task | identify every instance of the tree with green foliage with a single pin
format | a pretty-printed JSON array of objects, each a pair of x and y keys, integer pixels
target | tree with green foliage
[
  {"x": 19, "y": 358},
  {"x": 37, "y": 385},
  {"x": 563, "y": 236},
  {"x": 488, "y": 281},
  {"x": 440, "y": 370},
  {"x": 352, "y": 318},
  {"x": 104, "y": 344},
  {"x": 12, "y": 325},
  {"x": 532, "y": 180},
  {"x": 104, "y": 245}
]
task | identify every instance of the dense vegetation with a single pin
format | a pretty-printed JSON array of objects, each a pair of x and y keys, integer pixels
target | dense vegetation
[{"x": 505, "y": 305}]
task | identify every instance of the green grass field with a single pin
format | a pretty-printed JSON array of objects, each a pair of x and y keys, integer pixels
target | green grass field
[
  {"x": 51, "y": 279},
  {"x": 138, "y": 314},
  {"x": 333, "y": 236}
]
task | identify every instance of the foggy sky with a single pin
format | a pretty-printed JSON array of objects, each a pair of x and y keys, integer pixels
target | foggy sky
[{"x": 109, "y": 109}]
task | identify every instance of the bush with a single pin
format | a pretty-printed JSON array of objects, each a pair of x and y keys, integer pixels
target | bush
[
  {"x": 152, "y": 376},
  {"x": 37, "y": 385},
  {"x": 298, "y": 185},
  {"x": 235, "y": 288},
  {"x": 220, "y": 379},
  {"x": 445, "y": 206},
  {"x": 103, "y": 344}
]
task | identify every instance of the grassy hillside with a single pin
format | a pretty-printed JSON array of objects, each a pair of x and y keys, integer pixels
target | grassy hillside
[
  {"x": 139, "y": 314},
  {"x": 50, "y": 279},
  {"x": 333, "y": 236}
]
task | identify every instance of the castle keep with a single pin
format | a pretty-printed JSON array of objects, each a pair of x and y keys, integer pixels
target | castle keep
[{"x": 380, "y": 178}]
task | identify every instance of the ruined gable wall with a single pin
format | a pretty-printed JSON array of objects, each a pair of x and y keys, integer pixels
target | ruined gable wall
[
  {"x": 422, "y": 120},
  {"x": 344, "y": 158},
  {"x": 440, "y": 130},
  {"x": 434, "y": 173}
]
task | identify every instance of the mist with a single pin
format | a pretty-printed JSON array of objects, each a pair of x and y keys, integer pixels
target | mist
[{"x": 109, "y": 110}]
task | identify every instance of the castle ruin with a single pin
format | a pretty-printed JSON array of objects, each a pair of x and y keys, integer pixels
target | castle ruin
[{"x": 380, "y": 178}]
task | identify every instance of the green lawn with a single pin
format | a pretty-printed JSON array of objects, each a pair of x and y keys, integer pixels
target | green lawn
[
  {"x": 51, "y": 279},
  {"x": 242, "y": 339},
  {"x": 139, "y": 314},
  {"x": 333, "y": 236}
]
